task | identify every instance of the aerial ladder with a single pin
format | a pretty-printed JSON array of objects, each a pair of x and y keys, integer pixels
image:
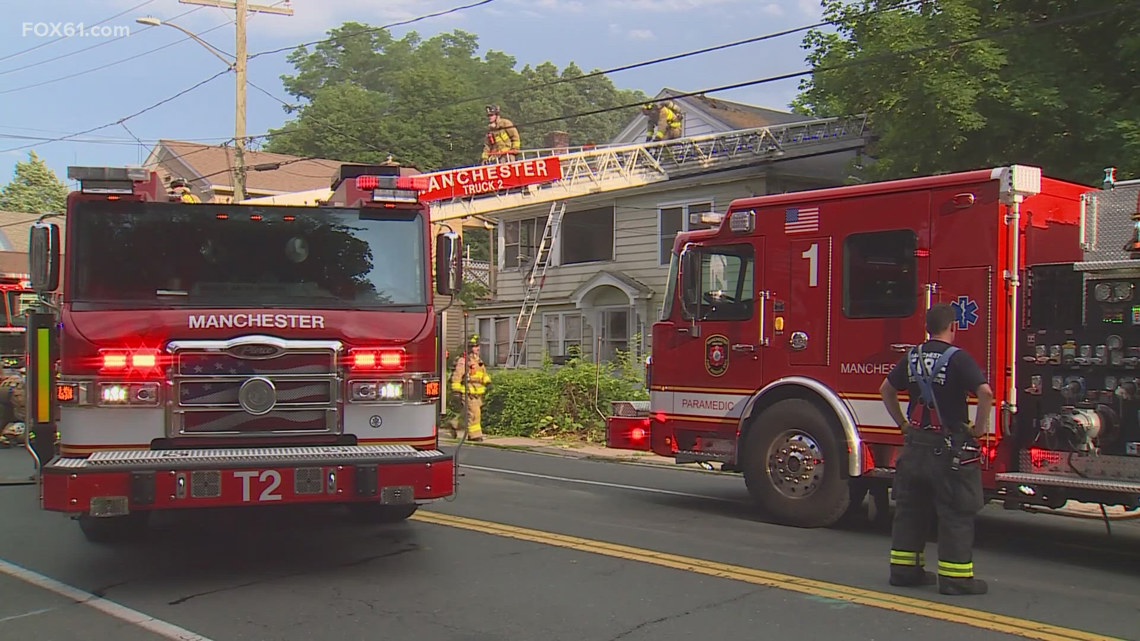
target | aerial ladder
[{"x": 606, "y": 168}]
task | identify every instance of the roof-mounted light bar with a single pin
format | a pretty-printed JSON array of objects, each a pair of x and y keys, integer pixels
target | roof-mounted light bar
[
  {"x": 108, "y": 180},
  {"x": 706, "y": 218}
]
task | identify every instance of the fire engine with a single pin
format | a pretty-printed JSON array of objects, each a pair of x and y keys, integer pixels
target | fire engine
[
  {"x": 18, "y": 297},
  {"x": 227, "y": 355},
  {"x": 780, "y": 324}
]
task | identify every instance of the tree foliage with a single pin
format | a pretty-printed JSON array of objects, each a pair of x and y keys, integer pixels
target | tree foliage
[
  {"x": 35, "y": 189},
  {"x": 1053, "y": 87},
  {"x": 422, "y": 101}
]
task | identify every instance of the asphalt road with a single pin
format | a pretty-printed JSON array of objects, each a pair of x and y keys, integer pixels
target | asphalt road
[{"x": 542, "y": 547}]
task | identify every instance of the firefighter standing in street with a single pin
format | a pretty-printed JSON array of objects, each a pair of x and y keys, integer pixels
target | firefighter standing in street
[
  {"x": 502, "y": 143},
  {"x": 939, "y": 470},
  {"x": 471, "y": 367},
  {"x": 664, "y": 121}
]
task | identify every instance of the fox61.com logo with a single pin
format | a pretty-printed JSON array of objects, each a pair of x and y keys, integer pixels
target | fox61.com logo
[{"x": 73, "y": 30}]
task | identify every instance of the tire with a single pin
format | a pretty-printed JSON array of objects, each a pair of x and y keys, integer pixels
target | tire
[
  {"x": 114, "y": 529},
  {"x": 818, "y": 495},
  {"x": 380, "y": 514}
]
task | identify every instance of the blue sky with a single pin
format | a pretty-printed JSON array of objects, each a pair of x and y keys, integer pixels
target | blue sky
[{"x": 129, "y": 67}]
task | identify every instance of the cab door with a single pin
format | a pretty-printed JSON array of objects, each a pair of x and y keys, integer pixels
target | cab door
[{"x": 720, "y": 336}]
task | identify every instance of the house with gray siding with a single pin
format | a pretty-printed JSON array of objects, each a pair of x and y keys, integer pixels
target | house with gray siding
[{"x": 609, "y": 263}]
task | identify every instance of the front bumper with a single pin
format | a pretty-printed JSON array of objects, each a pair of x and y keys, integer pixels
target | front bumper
[{"x": 118, "y": 482}]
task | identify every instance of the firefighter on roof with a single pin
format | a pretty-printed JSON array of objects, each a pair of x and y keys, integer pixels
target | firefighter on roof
[
  {"x": 664, "y": 121},
  {"x": 502, "y": 143},
  {"x": 939, "y": 469},
  {"x": 472, "y": 367},
  {"x": 180, "y": 192}
]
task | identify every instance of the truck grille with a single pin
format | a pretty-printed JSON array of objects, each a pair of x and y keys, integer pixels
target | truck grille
[{"x": 254, "y": 386}]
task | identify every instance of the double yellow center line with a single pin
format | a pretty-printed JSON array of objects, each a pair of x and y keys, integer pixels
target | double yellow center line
[{"x": 820, "y": 589}]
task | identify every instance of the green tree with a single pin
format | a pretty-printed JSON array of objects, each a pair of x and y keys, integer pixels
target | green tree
[
  {"x": 369, "y": 95},
  {"x": 1059, "y": 94},
  {"x": 35, "y": 189}
]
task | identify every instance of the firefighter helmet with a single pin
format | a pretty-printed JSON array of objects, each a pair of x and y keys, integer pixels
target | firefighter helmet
[
  {"x": 474, "y": 342},
  {"x": 492, "y": 110}
]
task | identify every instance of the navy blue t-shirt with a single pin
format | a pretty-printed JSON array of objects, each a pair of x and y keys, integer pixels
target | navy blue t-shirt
[{"x": 951, "y": 387}]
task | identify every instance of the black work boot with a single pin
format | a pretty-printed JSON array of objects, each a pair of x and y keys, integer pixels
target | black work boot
[
  {"x": 911, "y": 577},
  {"x": 947, "y": 585}
]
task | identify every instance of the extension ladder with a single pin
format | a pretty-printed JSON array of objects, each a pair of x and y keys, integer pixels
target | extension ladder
[{"x": 534, "y": 282}]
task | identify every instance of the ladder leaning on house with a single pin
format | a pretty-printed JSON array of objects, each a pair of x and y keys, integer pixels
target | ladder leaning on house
[{"x": 534, "y": 282}]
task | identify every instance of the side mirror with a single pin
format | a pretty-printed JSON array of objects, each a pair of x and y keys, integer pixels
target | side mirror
[
  {"x": 43, "y": 257},
  {"x": 448, "y": 263}
]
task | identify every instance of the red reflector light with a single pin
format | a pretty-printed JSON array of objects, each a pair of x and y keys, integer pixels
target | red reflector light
[
  {"x": 922, "y": 253},
  {"x": 388, "y": 359},
  {"x": 637, "y": 434}
]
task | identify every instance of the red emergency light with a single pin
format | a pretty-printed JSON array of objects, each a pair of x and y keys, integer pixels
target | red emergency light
[
  {"x": 139, "y": 362},
  {"x": 411, "y": 183},
  {"x": 387, "y": 359}
]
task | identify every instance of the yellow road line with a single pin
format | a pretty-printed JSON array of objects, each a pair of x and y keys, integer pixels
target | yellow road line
[{"x": 908, "y": 605}]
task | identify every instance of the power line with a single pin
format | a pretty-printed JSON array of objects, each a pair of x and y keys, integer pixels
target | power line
[
  {"x": 94, "y": 46},
  {"x": 378, "y": 29},
  {"x": 48, "y": 42},
  {"x": 1045, "y": 22},
  {"x": 688, "y": 54},
  {"x": 126, "y": 118}
]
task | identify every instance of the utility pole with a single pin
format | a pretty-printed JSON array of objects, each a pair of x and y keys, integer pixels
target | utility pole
[{"x": 241, "y": 8}]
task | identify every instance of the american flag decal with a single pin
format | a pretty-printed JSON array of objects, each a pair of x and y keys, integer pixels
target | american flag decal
[{"x": 800, "y": 220}]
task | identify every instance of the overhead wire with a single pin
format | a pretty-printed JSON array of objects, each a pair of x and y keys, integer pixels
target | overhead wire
[
  {"x": 368, "y": 30},
  {"x": 94, "y": 46},
  {"x": 48, "y": 42},
  {"x": 125, "y": 118}
]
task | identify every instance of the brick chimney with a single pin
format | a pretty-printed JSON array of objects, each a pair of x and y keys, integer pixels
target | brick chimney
[{"x": 559, "y": 141}]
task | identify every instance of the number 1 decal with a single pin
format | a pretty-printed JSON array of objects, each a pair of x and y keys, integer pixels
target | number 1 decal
[{"x": 812, "y": 255}]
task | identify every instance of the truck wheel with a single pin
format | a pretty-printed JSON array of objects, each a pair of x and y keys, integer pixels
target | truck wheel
[
  {"x": 114, "y": 529},
  {"x": 793, "y": 466},
  {"x": 378, "y": 514}
]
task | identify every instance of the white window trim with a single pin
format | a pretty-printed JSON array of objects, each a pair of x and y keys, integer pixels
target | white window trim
[
  {"x": 630, "y": 327},
  {"x": 501, "y": 240},
  {"x": 491, "y": 339},
  {"x": 684, "y": 205},
  {"x": 561, "y": 340}
]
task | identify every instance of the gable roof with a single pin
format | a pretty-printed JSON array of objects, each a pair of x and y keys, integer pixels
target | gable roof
[
  {"x": 735, "y": 115},
  {"x": 712, "y": 114},
  {"x": 211, "y": 164}
]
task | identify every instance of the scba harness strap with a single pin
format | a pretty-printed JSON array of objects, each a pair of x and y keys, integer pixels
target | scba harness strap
[{"x": 925, "y": 379}]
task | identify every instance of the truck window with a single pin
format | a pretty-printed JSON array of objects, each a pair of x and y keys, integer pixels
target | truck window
[
  {"x": 137, "y": 255},
  {"x": 726, "y": 291},
  {"x": 880, "y": 274}
]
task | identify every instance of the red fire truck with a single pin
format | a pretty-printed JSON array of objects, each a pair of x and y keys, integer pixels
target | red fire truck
[
  {"x": 779, "y": 326},
  {"x": 215, "y": 355}
]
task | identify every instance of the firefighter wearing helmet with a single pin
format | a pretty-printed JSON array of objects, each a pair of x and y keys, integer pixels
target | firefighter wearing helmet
[
  {"x": 502, "y": 143},
  {"x": 472, "y": 368},
  {"x": 664, "y": 121},
  {"x": 180, "y": 192}
]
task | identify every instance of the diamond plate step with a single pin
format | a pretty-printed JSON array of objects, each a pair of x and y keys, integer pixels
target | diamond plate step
[
  {"x": 1069, "y": 481},
  {"x": 239, "y": 457}
]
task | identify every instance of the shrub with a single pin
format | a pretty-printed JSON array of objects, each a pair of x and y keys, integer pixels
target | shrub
[{"x": 571, "y": 400}]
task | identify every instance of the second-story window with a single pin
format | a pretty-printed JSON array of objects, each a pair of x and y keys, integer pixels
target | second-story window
[{"x": 672, "y": 219}]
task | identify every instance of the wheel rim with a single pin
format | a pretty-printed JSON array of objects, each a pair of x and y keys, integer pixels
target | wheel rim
[{"x": 795, "y": 464}]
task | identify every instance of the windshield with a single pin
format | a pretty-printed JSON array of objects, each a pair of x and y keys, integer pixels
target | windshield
[{"x": 169, "y": 254}]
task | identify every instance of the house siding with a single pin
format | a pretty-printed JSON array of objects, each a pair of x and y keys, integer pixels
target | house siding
[{"x": 636, "y": 256}]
